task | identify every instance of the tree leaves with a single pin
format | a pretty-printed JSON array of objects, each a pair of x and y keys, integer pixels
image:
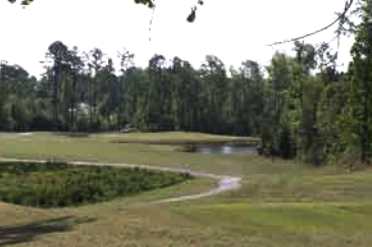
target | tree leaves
[
  {"x": 149, "y": 3},
  {"x": 192, "y": 16},
  {"x": 23, "y": 2}
]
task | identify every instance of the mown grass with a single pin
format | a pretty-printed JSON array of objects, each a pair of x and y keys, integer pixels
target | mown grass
[
  {"x": 287, "y": 224},
  {"x": 286, "y": 217},
  {"x": 178, "y": 138},
  {"x": 281, "y": 203}
]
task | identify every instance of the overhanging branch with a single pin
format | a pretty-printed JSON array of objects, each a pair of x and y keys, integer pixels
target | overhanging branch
[{"x": 341, "y": 18}]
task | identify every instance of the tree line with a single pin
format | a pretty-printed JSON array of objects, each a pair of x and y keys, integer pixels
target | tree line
[
  {"x": 82, "y": 91},
  {"x": 300, "y": 105}
]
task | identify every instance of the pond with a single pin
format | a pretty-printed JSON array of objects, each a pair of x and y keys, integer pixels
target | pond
[{"x": 225, "y": 149}]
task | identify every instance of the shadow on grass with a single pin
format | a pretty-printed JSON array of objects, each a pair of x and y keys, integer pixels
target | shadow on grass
[{"x": 11, "y": 235}]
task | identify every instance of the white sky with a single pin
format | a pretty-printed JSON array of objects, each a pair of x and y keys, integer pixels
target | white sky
[{"x": 233, "y": 30}]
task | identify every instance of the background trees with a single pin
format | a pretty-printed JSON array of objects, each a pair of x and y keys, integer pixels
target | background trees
[
  {"x": 361, "y": 100},
  {"x": 84, "y": 92},
  {"x": 299, "y": 105}
]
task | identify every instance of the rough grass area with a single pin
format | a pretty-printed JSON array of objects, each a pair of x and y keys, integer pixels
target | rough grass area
[
  {"x": 280, "y": 204},
  {"x": 61, "y": 185}
]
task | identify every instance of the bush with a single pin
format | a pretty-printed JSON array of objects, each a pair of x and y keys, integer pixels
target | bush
[{"x": 60, "y": 185}]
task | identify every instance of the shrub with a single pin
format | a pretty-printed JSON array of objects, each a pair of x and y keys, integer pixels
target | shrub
[{"x": 60, "y": 185}]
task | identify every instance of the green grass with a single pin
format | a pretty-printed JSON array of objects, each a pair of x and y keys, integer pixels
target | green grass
[
  {"x": 288, "y": 224},
  {"x": 176, "y": 138},
  {"x": 286, "y": 217},
  {"x": 281, "y": 203}
]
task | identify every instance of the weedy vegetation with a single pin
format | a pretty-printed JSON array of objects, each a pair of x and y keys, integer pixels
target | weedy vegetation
[{"x": 60, "y": 185}]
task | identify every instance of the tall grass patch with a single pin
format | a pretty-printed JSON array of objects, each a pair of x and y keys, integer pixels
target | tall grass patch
[{"x": 54, "y": 185}]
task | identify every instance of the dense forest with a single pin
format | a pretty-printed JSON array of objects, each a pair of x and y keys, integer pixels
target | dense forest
[
  {"x": 83, "y": 92},
  {"x": 299, "y": 105}
]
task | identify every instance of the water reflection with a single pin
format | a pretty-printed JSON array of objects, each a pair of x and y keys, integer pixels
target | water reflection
[{"x": 225, "y": 149}]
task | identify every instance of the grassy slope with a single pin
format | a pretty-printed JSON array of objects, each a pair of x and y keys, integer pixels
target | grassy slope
[{"x": 280, "y": 203}]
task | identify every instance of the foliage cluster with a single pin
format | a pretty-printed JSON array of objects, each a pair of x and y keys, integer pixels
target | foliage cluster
[
  {"x": 61, "y": 185},
  {"x": 86, "y": 93},
  {"x": 316, "y": 113}
]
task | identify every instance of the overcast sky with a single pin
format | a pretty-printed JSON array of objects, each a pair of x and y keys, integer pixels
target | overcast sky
[{"x": 233, "y": 30}]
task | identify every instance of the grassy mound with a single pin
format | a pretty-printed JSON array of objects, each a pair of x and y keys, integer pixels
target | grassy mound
[{"x": 60, "y": 185}]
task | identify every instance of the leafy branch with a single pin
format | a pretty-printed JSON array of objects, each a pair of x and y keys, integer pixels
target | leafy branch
[{"x": 341, "y": 19}]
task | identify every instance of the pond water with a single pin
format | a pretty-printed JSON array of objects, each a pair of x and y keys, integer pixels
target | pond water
[{"x": 225, "y": 149}]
